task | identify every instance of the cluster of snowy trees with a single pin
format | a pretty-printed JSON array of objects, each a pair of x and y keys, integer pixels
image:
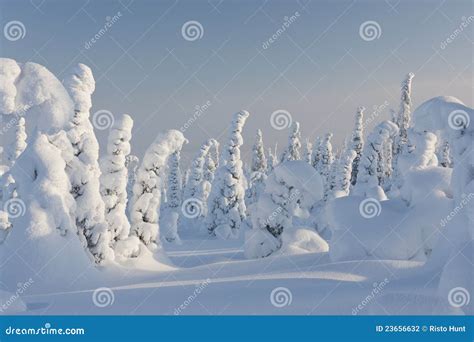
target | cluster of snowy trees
[{"x": 119, "y": 206}]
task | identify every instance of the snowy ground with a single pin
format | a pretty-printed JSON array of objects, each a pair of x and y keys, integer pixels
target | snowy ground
[{"x": 230, "y": 284}]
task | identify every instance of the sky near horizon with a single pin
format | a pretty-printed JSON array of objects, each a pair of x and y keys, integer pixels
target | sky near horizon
[{"x": 309, "y": 59}]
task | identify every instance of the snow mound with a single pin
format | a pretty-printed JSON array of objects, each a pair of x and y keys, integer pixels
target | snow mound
[
  {"x": 366, "y": 228},
  {"x": 300, "y": 240}
]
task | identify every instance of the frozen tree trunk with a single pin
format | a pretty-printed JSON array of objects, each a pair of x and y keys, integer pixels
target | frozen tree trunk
[
  {"x": 226, "y": 206},
  {"x": 83, "y": 167},
  {"x": 113, "y": 187},
  {"x": 357, "y": 143},
  {"x": 292, "y": 152},
  {"x": 147, "y": 188}
]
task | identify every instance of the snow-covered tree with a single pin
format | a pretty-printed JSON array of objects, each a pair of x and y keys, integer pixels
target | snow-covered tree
[
  {"x": 259, "y": 160},
  {"x": 387, "y": 167},
  {"x": 326, "y": 161},
  {"x": 272, "y": 159},
  {"x": 197, "y": 188},
  {"x": 170, "y": 217},
  {"x": 83, "y": 166},
  {"x": 371, "y": 164},
  {"x": 147, "y": 188},
  {"x": 343, "y": 170},
  {"x": 19, "y": 144},
  {"x": 357, "y": 142},
  {"x": 131, "y": 163},
  {"x": 292, "y": 152},
  {"x": 316, "y": 156},
  {"x": 402, "y": 145},
  {"x": 113, "y": 184},
  {"x": 226, "y": 206},
  {"x": 445, "y": 160},
  {"x": 308, "y": 151},
  {"x": 211, "y": 163}
]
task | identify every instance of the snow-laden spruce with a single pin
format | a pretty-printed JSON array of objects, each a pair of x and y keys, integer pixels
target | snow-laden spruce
[
  {"x": 272, "y": 159},
  {"x": 170, "y": 213},
  {"x": 212, "y": 162},
  {"x": 343, "y": 173},
  {"x": 45, "y": 235},
  {"x": 316, "y": 155},
  {"x": 327, "y": 158},
  {"x": 291, "y": 189},
  {"x": 402, "y": 145},
  {"x": 357, "y": 141},
  {"x": 19, "y": 144},
  {"x": 148, "y": 185},
  {"x": 259, "y": 160},
  {"x": 226, "y": 206},
  {"x": 113, "y": 186},
  {"x": 198, "y": 187},
  {"x": 83, "y": 166},
  {"x": 292, "y": 151},
  {"x": 308, "y": 151},
  {"x": 371, "y": 164}
]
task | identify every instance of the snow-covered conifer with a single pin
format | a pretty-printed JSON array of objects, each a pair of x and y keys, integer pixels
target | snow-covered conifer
[
  {"x": 114, "y": 178},
  {"x": 211, "y": 163},
  {"x": 226, "y": 206},
  {"x": 445, "y": 160},
  {"x": 343, "y": 170},
  {"x": 308, "y": 151},
  {"x": 170, "y": 217},
  {"x": 259, "y": 161},
  {"x": 357, "y": 142},
  {"x": 327, "y": 159},
  {"x": 83, "y": 166},
  {"x": 292, "y": 152},
  {"x": 147, "y": 188}
]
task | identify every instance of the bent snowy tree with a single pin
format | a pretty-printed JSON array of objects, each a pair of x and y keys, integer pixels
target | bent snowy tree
[{"x": 148, "y": 186}]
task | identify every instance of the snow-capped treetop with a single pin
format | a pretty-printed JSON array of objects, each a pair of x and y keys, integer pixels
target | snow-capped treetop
[
  {"x": 31, "y": 90},
  {"x": 80, "y": 84},
  {"x": 197, "y": 169},
  {"x": 259, "y": 161},
  {"x": 19, "y": 144},
  {"x": 292, "y": 152}
]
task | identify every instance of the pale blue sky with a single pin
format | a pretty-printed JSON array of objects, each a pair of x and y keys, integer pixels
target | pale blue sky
[{"x": 319, "y": 69}]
